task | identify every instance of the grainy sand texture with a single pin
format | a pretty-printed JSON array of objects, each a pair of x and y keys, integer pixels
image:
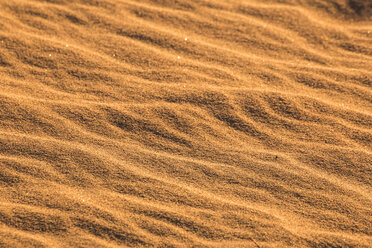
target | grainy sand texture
[{"x": 185, "y": 123}]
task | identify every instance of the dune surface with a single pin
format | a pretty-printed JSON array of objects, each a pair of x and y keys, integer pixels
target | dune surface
[{"x": 185, "y": 123}]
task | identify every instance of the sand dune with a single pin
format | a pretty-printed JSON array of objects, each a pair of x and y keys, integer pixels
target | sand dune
[{"x": 191, "y": 123}]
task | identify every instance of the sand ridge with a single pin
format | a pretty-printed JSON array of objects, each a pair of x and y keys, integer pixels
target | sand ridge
[{"x": 164, "y": 123}]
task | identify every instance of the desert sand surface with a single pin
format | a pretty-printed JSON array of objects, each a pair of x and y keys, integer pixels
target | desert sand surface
[{"x": 185, "y": 123}]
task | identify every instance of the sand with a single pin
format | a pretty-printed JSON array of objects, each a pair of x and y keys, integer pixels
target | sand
[{"x": 185, "y": 123}]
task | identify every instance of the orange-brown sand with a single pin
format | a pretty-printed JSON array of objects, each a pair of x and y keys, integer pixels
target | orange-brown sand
[{"x": 185, "y": 123}]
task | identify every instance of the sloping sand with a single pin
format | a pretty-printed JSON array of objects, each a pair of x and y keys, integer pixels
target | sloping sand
[{"x": 185, "y": 123}]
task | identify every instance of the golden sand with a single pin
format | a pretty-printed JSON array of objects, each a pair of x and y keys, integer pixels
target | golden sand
[{"x": 190, "y": 123}]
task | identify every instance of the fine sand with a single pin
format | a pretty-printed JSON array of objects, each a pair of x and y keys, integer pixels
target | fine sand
[{"x": 185, "y": 123}]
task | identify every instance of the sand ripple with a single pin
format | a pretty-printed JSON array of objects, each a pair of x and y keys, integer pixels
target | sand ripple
[{"x": 160, "y": 123}]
